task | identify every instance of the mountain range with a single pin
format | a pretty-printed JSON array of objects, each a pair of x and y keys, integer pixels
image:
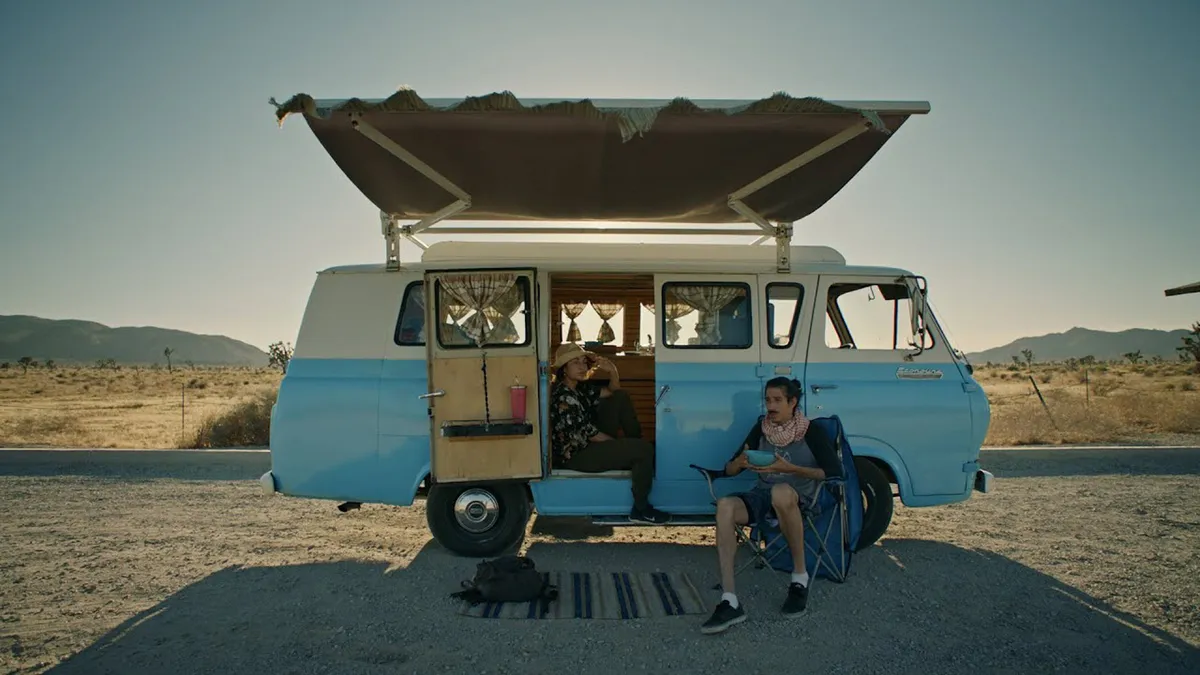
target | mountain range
[
  {"x": 67, "y": 341},
  {"x": 71, "y": 341},
  {"x": 1081, "y": 342}
]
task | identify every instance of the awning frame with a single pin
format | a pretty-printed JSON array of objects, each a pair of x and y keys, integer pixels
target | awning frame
[{"x": 781, "y": 232}]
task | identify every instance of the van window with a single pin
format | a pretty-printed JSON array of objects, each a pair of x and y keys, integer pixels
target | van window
[
  {"x": 503, "y": 323},
  {"x": 706, "y": 316},
  {"x": 783, "y": 312},
  {"x": 592, "y": 321},
  {"x": 870, "y": 316},
  {"x": 410, "y": 325}
]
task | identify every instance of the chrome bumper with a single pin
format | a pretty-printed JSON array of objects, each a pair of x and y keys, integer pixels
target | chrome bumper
[
  {"x": 267, "y": 482},
  {"x": 983, "y": 481}
]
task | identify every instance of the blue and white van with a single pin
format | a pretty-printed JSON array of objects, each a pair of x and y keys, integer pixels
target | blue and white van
[{"x": 402, "y": 372}]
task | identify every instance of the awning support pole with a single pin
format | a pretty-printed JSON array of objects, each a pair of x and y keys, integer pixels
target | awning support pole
[
  {"x": 392, "y": 230},
  {"x": 782, "y": 232}
]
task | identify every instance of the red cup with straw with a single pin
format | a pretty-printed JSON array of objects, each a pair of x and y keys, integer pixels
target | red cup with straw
[{"x": 516, "y": 397}]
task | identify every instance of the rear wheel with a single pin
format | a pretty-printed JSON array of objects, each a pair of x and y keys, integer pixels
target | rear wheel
[
  {"x": 478, "y": 520},
  {"x": 877, "y": 501}
]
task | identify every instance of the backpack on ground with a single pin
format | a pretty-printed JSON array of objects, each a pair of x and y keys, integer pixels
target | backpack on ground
[{"x": 509, "y": 578}]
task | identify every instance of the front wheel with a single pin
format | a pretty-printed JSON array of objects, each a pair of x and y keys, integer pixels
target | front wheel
[
  {"x": 877, "y": 501},
  {"x": 478, "y": 520}
]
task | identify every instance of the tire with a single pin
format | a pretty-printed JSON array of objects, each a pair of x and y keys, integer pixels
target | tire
[
  {"x": 471, "y": 531},
  {"x": 877, "y": 501}
]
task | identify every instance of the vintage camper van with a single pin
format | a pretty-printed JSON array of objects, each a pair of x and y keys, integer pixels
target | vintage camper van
[{"x": 432, "y": 376}]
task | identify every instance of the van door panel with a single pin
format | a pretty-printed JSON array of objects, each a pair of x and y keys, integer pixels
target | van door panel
[
  {"x": 918, "y": 408},
  {"x": 708, "y": 394},
  {"x": 492, "y": 449},
  {"x": 404, "y": 418}
]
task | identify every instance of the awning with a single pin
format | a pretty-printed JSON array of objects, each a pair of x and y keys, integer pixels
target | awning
[
  {"x": 1184, "y": 290},
  {"x": 666, "y": 161}
]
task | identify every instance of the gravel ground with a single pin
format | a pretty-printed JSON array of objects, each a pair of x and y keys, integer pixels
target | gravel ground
[{"x": 127, "y": 562}]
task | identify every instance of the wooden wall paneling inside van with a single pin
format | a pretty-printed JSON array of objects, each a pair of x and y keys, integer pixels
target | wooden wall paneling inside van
[{"x": 630, "y": 290}]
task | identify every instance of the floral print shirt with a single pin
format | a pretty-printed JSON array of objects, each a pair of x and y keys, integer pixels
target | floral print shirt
[{"x": 572, "y": 414}]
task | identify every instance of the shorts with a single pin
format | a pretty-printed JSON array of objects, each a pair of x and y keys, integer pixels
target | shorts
[{"x": 758, "y": 503}]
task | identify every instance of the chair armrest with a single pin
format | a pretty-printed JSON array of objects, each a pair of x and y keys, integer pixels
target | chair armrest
[{"x": 710, "y": 474}]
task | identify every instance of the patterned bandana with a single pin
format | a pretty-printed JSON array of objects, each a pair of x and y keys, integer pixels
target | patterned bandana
[{"x": 782, "y": 435}]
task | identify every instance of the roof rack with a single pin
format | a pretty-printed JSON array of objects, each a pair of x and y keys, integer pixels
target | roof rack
[{"x": 562, "y": 160}]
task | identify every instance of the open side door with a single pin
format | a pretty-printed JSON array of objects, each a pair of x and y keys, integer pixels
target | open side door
[{"x": 482, "y": 341}]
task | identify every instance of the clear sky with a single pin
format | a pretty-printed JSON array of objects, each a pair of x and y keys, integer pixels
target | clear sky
[{"x": 143, "y": 179}]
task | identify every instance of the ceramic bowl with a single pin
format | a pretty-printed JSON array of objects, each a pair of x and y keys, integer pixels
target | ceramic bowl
[{"x": 760, "y": 457}]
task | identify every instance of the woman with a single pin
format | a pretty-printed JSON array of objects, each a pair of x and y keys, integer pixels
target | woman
[
  {"x": 586, "y": 421},
  {"x": 804, "y": 456}
]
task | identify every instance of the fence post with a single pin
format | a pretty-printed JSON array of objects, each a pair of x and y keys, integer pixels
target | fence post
[{"x": 1043, "y": 400}]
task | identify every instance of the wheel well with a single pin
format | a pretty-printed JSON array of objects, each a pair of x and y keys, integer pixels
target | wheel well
[
  {"x": 427, "y": 482},
  {"x": 885, "y": 468}
]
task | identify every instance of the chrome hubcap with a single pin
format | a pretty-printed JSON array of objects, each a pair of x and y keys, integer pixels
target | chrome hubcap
[{"x": 476, "y": 510}]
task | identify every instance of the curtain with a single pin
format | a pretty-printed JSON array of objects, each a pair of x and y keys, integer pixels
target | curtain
[
  {"x": 675, "y": 311},
  {"x": 500, "y": 315},
  {"x": 606, "y": 311},
  {"x": 708, "y": 301},
  {"x": 449, "y": 332},
  {"x": 478, "y": 291},
  {"x": 573, "y": 310}
]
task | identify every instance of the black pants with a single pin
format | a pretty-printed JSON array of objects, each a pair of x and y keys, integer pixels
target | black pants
[{"x": 630, "y": 452}]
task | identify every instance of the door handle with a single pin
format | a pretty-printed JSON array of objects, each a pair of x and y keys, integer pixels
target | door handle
[
  {"x": 816, "y": 388},
  {"x": 434, "y": 394},
  {"x": 662, "y": 392}
]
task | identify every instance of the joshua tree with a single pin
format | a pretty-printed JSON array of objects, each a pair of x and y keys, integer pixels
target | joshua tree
[
  {"x": 26, "y": 362},
  {"x": 167, "y": 353},
  {"x": 279, "y": 354},
  {"x": 1028, "y": 354},
  {"x": 1191, "y": 344},
  {"x": 1134, "y": 357}
]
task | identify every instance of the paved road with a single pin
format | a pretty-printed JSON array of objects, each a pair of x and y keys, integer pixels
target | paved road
[{"x": 250, "y": 464}]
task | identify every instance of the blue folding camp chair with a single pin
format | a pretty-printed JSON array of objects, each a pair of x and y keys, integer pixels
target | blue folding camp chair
[{"x": 831, "y": 527}]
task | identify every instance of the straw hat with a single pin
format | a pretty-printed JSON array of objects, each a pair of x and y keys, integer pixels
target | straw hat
[{"x": 568, "y": 352}]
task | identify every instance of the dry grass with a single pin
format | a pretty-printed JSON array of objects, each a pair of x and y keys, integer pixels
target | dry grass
[
  {"x": 1103, "y": 403},
  {"x": 229, "y": 407},
  {"x": 127, "y": 407}
]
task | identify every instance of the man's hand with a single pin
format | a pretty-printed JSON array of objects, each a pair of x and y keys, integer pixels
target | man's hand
[
  {"x": 599, "y": 437},
  {"x": 778, "y": 466},
  {"x": 736, "y": 465}
]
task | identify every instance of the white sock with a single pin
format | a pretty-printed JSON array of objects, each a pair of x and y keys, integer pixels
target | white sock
[
  {"x": 801, "y": 578},
  {"x": 731, "y": 598}
]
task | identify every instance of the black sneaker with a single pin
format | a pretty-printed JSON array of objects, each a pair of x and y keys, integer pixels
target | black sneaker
[
  {"x": 723, "y": 617},
  {"x": 797, "y": 600},
  {"x": 648, "y": 514}
]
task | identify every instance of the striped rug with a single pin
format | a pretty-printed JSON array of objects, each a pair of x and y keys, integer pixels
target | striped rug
[{"x": 615, "y": 595}]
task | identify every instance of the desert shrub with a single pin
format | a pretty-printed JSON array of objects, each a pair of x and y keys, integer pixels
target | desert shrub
[
  {"x": 1187, "y": 386},
  {"x": 1104, "y": 387},
  {"x": 247, "y": 424}
]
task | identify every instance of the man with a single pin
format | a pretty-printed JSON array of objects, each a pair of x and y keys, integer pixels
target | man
[
  {"x": 803, "y": 457},
  {"x": 586, "y": 420}
]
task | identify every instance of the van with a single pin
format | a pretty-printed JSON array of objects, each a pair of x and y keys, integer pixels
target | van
[{"x": 403, "y": 377}]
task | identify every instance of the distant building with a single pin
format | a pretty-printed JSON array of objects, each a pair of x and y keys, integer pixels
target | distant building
[{"x": 1184, "y": 290}]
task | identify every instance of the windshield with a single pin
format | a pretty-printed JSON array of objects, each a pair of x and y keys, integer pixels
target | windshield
[{"x": 951, "y": 342}]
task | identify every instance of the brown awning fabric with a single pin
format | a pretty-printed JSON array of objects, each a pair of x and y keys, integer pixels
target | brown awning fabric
[
  {"x": 668, "y": 162},
  {"x": 1184, "y": 290}
]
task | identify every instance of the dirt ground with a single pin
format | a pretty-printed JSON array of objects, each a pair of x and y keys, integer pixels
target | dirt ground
[
  {"x": 129, "y": 562},
  {"x": 153, "y": 408}
]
